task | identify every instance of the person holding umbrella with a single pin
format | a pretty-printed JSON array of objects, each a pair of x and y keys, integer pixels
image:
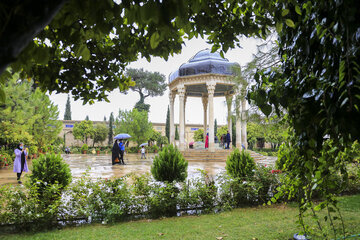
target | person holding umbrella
[
  {"x": 121, "y": 145},
  {"x": 122, "y": 150}
]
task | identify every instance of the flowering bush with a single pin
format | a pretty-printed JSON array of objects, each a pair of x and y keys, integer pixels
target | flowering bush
[
  {"x": 111, "y": 200},
  {"x": 4, "y": 159}
]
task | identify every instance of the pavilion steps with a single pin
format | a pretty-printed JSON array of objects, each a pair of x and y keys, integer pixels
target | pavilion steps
[{"x": 219, "y": 155}]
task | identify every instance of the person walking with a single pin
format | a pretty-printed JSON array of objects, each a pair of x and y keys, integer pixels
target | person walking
[
  {"x": 115, "y": 153},
  {"x": 143, "y": 152},
  {"x": 20, "y": 163},
  {"x": 228, "y": 140},
  {"x": 122, "y": 150},
  {"x": 207, "y": 141}
]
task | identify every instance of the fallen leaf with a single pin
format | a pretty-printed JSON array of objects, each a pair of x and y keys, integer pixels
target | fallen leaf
[
  {"x": 219, "y": 238},
  {"x": 161, "y": 234}
]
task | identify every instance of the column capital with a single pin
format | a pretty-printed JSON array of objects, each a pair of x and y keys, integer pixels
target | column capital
[
  {"x": 181, "y": 91},
  {"x": 211, "y": 88}
]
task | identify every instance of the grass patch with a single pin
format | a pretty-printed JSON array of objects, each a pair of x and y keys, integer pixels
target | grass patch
[{"x": 274, "y": 222}]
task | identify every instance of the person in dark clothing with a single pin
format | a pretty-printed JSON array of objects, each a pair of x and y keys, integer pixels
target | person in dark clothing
[
  {"x": 115, "y": 153},
  {"x": 228, "y": 140}
]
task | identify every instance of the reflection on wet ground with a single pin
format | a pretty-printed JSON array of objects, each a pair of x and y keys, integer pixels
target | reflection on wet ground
[{"x": 100, "y": 166}]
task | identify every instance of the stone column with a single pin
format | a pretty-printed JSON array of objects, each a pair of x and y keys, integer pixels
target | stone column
[
  {"x": 172, "y": 125},
  {"x": 181, "y": 92},
  {"x": 211, "y": 90},
  {"x": 238, "y": 122},
  {"x": 185, "y": 139},
  {"x": 205, "y": 104},
  {"x": 229, "y": 103},
  {"x": 243, "y": 123}
]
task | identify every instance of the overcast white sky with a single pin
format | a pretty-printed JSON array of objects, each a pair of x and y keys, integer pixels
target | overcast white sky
[{"x": 158, "y": 109}]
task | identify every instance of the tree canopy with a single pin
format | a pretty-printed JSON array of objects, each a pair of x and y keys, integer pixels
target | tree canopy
[
  {"x": 27, "y": 115},
  {"x": 147, "y": 84},
  {"x": 83, "y": 130},
  {"x": 134, "y": 123},
  {"x": 83, "y": 47}
]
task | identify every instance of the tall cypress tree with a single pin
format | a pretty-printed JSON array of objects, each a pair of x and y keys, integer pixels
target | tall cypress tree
[
  {"x": 167, "y": 126},
  {"x": 87, "y": 118},
  {"x": 176, "y": 133},
  {"x": 67, "y": 115},
  {"x": 104, "y": 119},
  {"x": 111, "y": 134}
]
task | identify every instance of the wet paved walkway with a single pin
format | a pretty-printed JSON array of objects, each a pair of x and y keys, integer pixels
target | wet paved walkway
[{"x": 99, "y": 166}]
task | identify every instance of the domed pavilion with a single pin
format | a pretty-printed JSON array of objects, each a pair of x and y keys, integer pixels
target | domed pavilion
[{"x": 206, "y": 75}]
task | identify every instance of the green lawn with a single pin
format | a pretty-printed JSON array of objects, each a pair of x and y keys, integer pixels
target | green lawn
[{"x": 275, "y": 222}]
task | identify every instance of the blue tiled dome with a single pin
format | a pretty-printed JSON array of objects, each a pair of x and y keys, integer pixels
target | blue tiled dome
[{"x": 204, "y": 62}]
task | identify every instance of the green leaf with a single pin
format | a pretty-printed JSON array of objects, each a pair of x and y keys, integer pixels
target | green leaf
[
  {"x": 341, "y": 70},
  {"x": 83, "y": 51},
  {"x": 222, "y": 54},
  {"x": 290, "y": 23},
  {"x": 154, "y": 40},
  {"x": 285, "y": 12},
  {"x": 297, "y": 10},
  {"x": 266, "y": 109}
]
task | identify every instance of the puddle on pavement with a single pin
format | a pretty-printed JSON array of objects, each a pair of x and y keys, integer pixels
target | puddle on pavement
[{"x": 99, "y": 166}]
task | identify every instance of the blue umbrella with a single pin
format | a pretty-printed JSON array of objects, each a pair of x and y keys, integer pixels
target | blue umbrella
[
  {"x": 122, "y": 136},
  {"x": 143, "y": 144}
]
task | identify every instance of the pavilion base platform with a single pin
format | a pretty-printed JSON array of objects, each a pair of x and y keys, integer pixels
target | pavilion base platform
[{"x": 218, "y": 156}]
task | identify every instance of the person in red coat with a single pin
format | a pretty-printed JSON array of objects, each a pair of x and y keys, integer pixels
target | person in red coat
[{"x": 207, "y": 141}]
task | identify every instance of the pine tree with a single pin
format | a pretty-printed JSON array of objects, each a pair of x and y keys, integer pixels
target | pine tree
[
  {"x": 176, "y": 133},
  {"x": 167, "y": 126},
  {"x": 104, "y": 119},
  {"x": 111, "y": 134},
  {"x": 87, "y": 118},
  {"x": 67, "y": 115},
  {"x": 215, "y": 127}
]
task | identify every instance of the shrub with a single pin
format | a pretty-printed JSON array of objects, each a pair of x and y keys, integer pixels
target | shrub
[
  {"x": 50, "y": 169},
  {"x": 240, "y": 164},
  {"x": 23, "y": 209},
  {"x": 235, "y": 192},
  {"x": 84, "y": 147},
  {"x": 132, "y": 149},
  {"x": 33, "y": 149},
  {"x": 154, "y": 148},
  {"x": 163, "y": 201},
  {"x": 169, "y": 165}
]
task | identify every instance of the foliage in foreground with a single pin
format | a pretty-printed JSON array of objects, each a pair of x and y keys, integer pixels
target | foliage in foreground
[
  {"x": 240, "y": 164},
  {"x": 112, "y": 200},
  {"x": 169, "y": 165},
  {"x": 50, "y": 169},
  {"x": 316, "y": 182}
]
